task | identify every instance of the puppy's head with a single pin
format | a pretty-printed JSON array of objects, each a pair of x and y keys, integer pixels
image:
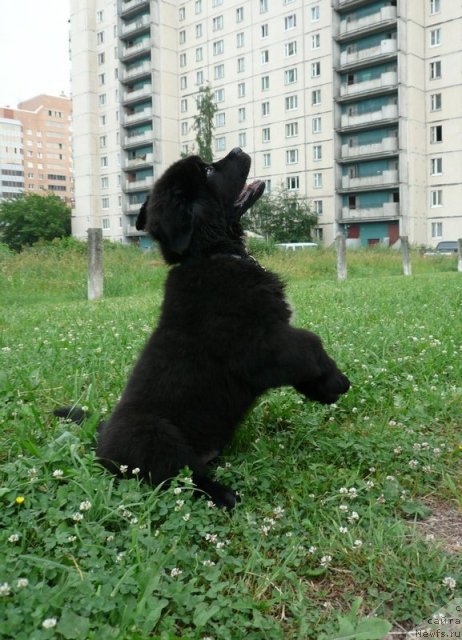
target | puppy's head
[{"x": 195, "y": 207}]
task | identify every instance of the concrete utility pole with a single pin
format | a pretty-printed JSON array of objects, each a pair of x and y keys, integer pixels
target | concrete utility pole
[
  {"x": 406, "y": 256},
  {"x": 95, "y": 264},
  {"x": 459, "y": 249},
  {"x": 340, "y": 246}
]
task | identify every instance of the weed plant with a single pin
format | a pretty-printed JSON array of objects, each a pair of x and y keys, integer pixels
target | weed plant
[{"x": 326, "y": 538}]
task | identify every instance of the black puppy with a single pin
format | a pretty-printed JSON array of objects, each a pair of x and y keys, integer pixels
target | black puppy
[{"x": 223, "y": 336}]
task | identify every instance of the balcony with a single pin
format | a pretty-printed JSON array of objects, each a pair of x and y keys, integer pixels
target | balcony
[
  {"x": 386, "y": 146},
  {"x": 352, "y": 26},
  {"x": 390, "y": 210},
  {"x": 131, "y": 231},
  {"x": 344, "y": 5},
  {"x": 146, "y": 136},
  {"x": 388, "y": 47},
  {"x": 135, "y": 50},
  {"x": 138, "y": 26},
  {"x": 385, "y": 81},
  {"x": 132, "y": 6},
  {"x": 387, "y": 112},
  {"x": 387, "y": 178},
  {"x": 133, "y": 96},
  {"x": 139, "y": 71},
  {"x": 139, "y": 185},
  {"x": 133, "y": 208},
  {"x": 134, "y": 163},
  {"x": 138, "y": 116}
]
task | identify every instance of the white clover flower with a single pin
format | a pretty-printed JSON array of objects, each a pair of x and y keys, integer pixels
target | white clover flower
[
  {"x": 14, "y": 537},
  {"x": 326, "y": 560},
  {"x": 312, "y": 550},
  {"x": 58, "y": 473},
  {"x": 120, "y": 556},
  {"x": 5, "y": 589},
  {"x": 77, "y": 517},
  {"x": 211, "y": 537},
  {"x": 397, "y": 450},
  {"x": 352, "y": 493},
  {"x": 187, "y": 480},
  {"x": 49, "y": 623},
  {"x": 208, "y": 563},
  {"x": 6, "y": 349},
  {"x": 354, "y": 516},
  {"x": 175, "y": 572},
  {"x": 21, "y": 583},
  {"x": 391, "y": 478},
  {"x": 370, "y": 484},
  {"x": 71, "y": 538},
  {"x": 219, "y": 545},
  {"x": 343, "y": 490},
  {"x": 85, "y": 505},
  {"x": 211, "y": 504},
  {"x": 179, "y": 504},
  {"x": 357, "y": 544},
  {"x": 109, "y": 538},
  {"x": 123, "y": 468},
  {"x": 278, "y": 512},
  {"x": 177, "y": 491},
  {"x": 413, "y": 464},
  {"x": 136, "y": 471},
  {"x": 134, "y": 520},
  {"x": 449, "y": 582},
  {"x": 186, "y": 517},
  {"x": 343, "y": 508},
  {"x": 343, "y": 529}
]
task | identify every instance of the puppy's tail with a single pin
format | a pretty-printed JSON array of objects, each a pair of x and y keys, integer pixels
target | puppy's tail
[{"x": 75, "y": 414}]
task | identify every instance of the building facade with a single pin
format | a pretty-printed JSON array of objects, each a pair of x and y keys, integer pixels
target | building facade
[
  {"x": 11, "y": 159},
  {"x": 354, "y": 104},
  {"x": 46, "y": 144}
]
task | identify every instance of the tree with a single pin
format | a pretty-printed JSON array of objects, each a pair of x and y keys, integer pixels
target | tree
[
  {"x": 282, "y": 216},
  {"x": 33, "y": 217},
  {"x": 203, "y": 123}
]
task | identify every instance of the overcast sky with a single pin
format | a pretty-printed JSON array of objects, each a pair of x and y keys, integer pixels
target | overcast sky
[{"x": 34, "y": 49}]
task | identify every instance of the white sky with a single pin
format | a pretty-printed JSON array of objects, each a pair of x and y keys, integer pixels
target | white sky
[{"x": 34, "y": 49}]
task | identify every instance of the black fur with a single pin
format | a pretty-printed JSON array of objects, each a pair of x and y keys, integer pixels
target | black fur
[{"x": 223, "y": 336}]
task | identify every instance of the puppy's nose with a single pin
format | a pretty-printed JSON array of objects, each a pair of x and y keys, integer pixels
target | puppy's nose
[{"x": 236, "y": 151}]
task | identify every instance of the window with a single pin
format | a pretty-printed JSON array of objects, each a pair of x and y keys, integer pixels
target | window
[
  {"x": 266, "y": 160},
  {"x": 317, "y": 152},
  {"x": 265, "y": 83},
  {"x": 99, "y": 16},
  {"x": 437, "y": 229},
  {"x": 265, "y": 56},
  {"x": 106, "y": 221},
  {"x": 217, "y": 23},
  {"x": 316, "y": 97},
  {"x": 435, "y": 70},
  {"x": 182, "y": 36},
  {"x": 293, "y": 183},
  {"x": 317, "y": 180},
  {"x": 266, "y": 134},
  {"x": 290, "y": 76},
  {"x": 436, "y": 166},
  {"x": 220, "y": 119},
  {"x": 315, "y": 69},
  {"x": 436, "y": 134},
  {"x": 318, "y": 207},
  {"x": 102, "y": 142},
  {"x": 265, "y": 108},
  {"x": 182, "y": 59},
  {"x": 291, "y": 129},
  {"x": 104, "y": 203},
  {"x": 219, "y": 71},
  {"x": 290, "y": 48},
  {"x": 315, "y": 13},
  {"x": 240, "y": 65},
  {"x": 241, "y": 90},
  {"x": 199, "y": 77},
  {"x": 198, "y": 31},
  {"x": 199, "y": 54},
  {"x": 100, "y": 37},
  {"x": 239, "y": 14},
  {"x": 290, "y": 22},
  {"x": 435, "y": 37},
  {"x": 268, "y": 186},
  {"x": 218, "y": 47},
  {"x": 435, "y": 102},
  {"x": 291, "y": 103},
  {"x": 220, "y": 144},
  {"x": 316, "y": 125},
  {"x": 241, "y": 114},
  {"x": 184, "y": 128},
  {"x": 220, "y": 95},
  {"x": 102, "y": 99},
  {"x": 101, "y": 58},
  {"x": 183, "y": 82},
  {"x": 198, "y": 7},
  {"x": 217, "y": 3},
  {"x": 263, "y": 6},
  {"x": 264, "y": 30},
  {"x": 240, "y": 40},
  {"x": 105, "y": 182},
  {"x": 316, "y": 41},
  {"x": 181, "y": 13},
  {"x": 291, "y": 156},
  {"x": 184, "y": 105},
  {"x": 436, "y": 198},
  {"x": 103, "y": 161},
  {"x": 435, "y": 6},
  {"x": 242, "y": 139}
]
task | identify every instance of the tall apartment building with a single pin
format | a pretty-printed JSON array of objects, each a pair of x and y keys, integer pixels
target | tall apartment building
[
  {"x": 11, "y": 159},
  {"x": 355, "y": 104},
  {"x": 46, "y": 144}
]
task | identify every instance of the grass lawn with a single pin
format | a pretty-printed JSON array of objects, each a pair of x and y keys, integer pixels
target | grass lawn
[{"x": 330, "y": 540}]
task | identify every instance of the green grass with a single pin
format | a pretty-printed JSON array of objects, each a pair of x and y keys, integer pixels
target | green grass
[{"x": 142, "y": 563}]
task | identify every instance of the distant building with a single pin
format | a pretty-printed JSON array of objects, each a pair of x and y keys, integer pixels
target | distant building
[
  {"x": 355, "y": 104},
  {"x": 46, "y": 144},
  {"x": 11, "y": 159}
]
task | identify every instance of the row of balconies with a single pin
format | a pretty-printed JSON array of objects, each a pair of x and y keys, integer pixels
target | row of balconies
[
  {"x": 387, "y": 145},
  {"x": 350, "y": 24},
  {"x": 138, "y": 116},
  {"x": 387, "y": 112},
  {"x": 132, "y": 6},
  {"x": 138, "y": 71},
  {"x": 137, "y": 185},
  {"x": 387, "y": 46},
  {"x": 133, "y": 50},
  {"x": 147, "y": 158},
  {"x": 146, "y": 136},
  {"x": 140, "y": 24},
  {"x": 385, "y": 80},
  {"x": 389, "y": 210},
  {"x": 384, "y": 178},
  {"x": 144, "y": 92}
]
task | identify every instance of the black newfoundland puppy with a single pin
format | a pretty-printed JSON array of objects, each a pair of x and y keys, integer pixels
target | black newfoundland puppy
[{"x": 223, "y": 336}]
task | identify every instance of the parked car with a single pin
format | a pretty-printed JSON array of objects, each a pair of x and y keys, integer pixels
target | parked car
[
  {"x": 293, "y": 246},
  {"x": 443, "y": 248}
]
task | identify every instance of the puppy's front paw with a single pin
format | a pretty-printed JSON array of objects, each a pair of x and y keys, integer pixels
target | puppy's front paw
[{"x": 222, "y": 496}]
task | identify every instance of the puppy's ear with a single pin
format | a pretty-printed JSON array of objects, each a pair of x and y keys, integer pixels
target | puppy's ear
[
  {"x": 140, "y": 223},
  {"x": 173, "y": 224}
]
